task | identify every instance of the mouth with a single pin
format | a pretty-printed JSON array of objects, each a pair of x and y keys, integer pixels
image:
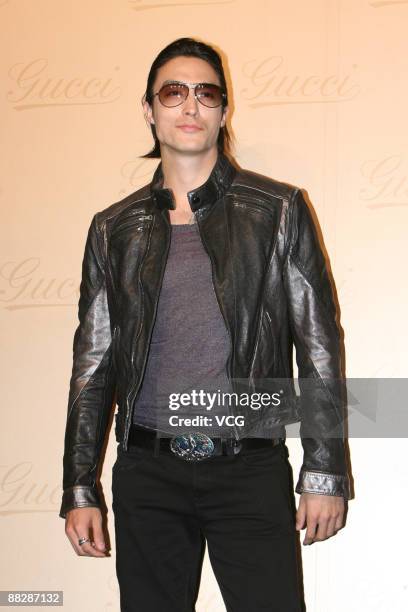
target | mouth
[{"x": 189, "y": 128}]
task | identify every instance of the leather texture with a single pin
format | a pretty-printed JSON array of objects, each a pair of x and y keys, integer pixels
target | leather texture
[{"x": 273, "y": 289}]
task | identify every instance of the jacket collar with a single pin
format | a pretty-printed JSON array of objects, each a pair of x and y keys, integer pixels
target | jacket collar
[{"x": 212, "y": 190}]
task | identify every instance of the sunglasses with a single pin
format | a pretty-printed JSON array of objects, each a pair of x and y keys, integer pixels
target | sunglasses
[{"x": 175, "y": 93}]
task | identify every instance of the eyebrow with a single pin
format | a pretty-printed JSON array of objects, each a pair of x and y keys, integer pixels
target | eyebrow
[{"x": 172, "y": 81}]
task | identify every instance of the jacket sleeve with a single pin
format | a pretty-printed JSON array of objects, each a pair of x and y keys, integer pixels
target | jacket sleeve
[
  {"x": 316, "y": 336},
  {"x": 92, "y": 384}
]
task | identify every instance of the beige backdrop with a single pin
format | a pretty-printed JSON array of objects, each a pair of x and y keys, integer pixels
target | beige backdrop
[{"x": 319, "y": 99}]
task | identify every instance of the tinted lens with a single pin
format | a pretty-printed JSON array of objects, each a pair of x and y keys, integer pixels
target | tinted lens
[
  {"x": 173, "y": 94},
  {"x": 209, "y": 95}
]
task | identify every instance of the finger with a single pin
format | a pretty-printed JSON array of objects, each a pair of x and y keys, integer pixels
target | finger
[
  {"x": 339, "y": 521},
  {"x": 331, "y": 527},
  {"x": 301, "y": 516},
  {"x": 73, "y": 537},
  {"x": 86, "y": 549},
  {"x": 311, "y": 530},
  {"x": 321, "y": 533},
  {"x": 89, "y": 550},
  {"x": 98, "y": 537}
]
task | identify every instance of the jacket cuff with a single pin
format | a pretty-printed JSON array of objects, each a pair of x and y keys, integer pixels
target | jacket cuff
[
  {"x": 323, "y": 483},
  {"x": 79, "y": 497}
]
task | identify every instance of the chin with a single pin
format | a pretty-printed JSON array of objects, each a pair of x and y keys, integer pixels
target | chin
[{"x": 194, "y": 148}]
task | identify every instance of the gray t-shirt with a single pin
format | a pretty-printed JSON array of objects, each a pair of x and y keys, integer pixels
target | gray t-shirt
[{"x": 189, "y": 346}]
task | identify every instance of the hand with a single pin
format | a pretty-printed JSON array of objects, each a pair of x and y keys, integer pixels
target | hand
[
  {"x": 324, "y": 512},
  {"x": 82, "y": 523}
]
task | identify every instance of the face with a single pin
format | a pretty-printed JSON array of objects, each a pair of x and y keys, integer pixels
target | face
[{"x": 169, "y": 121}]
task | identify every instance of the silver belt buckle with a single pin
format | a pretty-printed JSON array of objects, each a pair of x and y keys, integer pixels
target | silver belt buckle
[{"x": 192, "y": 446}]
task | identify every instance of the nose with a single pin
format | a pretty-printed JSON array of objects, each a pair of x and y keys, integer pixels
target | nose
[{"x": 190, "y": 105}]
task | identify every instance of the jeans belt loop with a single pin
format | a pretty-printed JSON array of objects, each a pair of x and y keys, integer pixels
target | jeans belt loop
[{"x": 232, "y": 446}]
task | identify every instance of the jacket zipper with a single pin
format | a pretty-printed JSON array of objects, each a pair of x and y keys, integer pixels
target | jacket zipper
[
  {"x": 250, "y": 203},
  {"x": 133, "y": 392},
  {"x": 138, "y": 223},
  {"x": 228, "y": 366}
]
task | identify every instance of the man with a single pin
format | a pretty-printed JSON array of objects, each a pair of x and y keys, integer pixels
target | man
[{"x": 207, "y": 275}]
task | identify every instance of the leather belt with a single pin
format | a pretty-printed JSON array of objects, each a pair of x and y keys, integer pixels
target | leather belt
[{"x": 195, "y": 445}]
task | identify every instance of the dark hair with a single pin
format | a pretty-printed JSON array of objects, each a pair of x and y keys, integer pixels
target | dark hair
[{"x": 191, "y": 48}]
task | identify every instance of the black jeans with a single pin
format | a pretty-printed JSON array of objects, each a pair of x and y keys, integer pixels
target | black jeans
[{"x": 166, "y": 508}]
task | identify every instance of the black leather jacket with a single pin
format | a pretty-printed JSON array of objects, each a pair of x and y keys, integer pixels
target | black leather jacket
[{"x": 273, "y": 290}]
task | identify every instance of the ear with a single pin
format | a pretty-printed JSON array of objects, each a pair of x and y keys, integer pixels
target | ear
[
  {"x": 148, "y": 113},
  {"x": 224, "y": 116}
]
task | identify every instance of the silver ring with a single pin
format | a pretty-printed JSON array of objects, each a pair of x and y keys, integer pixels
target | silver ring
[{"x": 82, "y": 541}]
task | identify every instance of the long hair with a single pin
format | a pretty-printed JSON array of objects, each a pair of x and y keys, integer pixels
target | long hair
[{"x": 191, "y": 48}]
